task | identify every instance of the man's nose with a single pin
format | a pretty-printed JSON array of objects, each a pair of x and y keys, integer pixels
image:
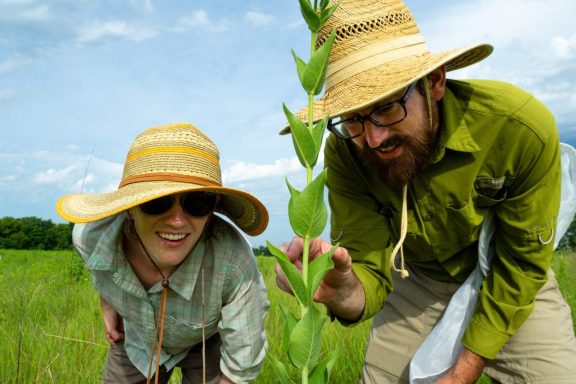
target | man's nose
[{"x": 375, "y": 135}]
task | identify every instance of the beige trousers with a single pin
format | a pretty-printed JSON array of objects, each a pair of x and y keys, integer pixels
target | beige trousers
[{"x": 542, "y": 351}]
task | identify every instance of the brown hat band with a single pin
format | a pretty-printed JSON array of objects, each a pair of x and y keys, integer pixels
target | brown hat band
[
  {"x": 373, "y": 56},
  {"x": 164, "y": 176}
]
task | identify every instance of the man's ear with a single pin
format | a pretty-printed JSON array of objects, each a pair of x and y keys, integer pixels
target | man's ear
[{"x": 437, "y": 79}]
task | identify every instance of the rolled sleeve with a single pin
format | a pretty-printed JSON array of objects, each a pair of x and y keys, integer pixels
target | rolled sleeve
[{"x": 241, "y": 326}]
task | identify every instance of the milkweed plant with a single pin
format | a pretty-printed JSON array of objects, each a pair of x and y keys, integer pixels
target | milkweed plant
[{"x": 301, "y": 336}]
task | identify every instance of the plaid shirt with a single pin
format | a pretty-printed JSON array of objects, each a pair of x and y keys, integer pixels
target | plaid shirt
[{"x": 234, "y": 291}]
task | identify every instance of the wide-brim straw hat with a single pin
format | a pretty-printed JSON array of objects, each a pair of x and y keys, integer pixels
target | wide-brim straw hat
[
  {"x": 162, "y": 161},
  {"x": 377, "y": 52}
]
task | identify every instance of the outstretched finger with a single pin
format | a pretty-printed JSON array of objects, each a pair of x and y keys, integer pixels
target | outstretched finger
[{"x": 281, "y": 280}]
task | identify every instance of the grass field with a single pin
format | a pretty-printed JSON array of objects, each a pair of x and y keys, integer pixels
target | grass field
[{"x": 51, "y": 329}]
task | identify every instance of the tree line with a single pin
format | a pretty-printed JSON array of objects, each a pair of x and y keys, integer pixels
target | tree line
[{"x": 35, "y": 233}]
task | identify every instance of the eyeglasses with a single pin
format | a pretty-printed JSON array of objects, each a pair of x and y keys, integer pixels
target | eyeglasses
[
  {"x": 383, "y": 116},
  {"x": 194, "y": 203}
]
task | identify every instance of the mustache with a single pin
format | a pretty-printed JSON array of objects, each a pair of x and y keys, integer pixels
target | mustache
[{"x": 394, "y": 140}]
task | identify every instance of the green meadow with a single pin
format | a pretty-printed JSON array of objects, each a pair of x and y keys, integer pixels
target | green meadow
[{"x": 51, "y": 329}]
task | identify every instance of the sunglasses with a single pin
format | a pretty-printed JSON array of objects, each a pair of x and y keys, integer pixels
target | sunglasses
[{"x": 194, "y": 203}]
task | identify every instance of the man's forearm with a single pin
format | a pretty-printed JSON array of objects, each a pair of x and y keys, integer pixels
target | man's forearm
[
  {"x": 348, "y": 304},
  {"x": 466, "y": 370}
]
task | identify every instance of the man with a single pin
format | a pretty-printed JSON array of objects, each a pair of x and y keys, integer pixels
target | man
[{"x": 415, "y": 163}]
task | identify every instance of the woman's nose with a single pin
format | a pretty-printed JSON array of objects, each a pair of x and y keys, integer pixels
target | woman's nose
[{"x": 176, "y": 215}]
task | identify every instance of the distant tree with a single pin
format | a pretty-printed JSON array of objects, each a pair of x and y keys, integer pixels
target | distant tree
[
  {"x": 261, "y": 251},
  {"x": 34, "y": 233},
  {"x": 568, "y": 241},
  {"x": 62, "y": 235}
]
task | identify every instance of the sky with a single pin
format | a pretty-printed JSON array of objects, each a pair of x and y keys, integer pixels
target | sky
[{"x": 80, "y": 79}]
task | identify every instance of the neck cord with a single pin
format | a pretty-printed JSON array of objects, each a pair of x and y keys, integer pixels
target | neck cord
[
  {"x": 403, "y": 230},
  {"x": 160, "y": 323},
  {"x": 159, "y": 331},
  {"x": 404, "y": 220}
]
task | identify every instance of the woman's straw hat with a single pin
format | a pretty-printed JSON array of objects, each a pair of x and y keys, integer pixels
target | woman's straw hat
[
  {"x": 161, "y": 161},
  {"x": 377, "y": 52}
]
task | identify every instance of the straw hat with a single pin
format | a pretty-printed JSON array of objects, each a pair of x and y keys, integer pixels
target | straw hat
[
  {"x": 377, "y": 52},
  {"x": 161, "y": 161}
]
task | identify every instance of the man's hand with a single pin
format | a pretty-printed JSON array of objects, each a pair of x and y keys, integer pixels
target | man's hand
[
  {"x": 340, "y": 291},
  {"x": 466, "y": 369},
  {"x": 113, "y": 322}
]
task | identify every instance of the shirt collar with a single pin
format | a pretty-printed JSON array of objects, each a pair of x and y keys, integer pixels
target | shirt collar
[
  {"x": 109, "y": 245},
  {"x": 455, "y": 131},
  {"x": 185, "y": 277}
]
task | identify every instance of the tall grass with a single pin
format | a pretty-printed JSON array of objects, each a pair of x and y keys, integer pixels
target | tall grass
[{"x": 51, "y": 329}]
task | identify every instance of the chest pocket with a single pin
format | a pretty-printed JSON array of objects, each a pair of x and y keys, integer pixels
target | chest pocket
[
  {"x": 186, "y": 333},
  {"x": 490, "y": 191}
]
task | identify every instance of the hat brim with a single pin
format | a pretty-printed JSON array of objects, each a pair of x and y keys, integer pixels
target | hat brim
[
  {"x": 246, "y": 211},
  {"x": 377, "y": 83}
]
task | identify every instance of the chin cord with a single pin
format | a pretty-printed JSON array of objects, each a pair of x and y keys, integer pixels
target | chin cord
[
  {"x": 159, "y": 331},
  {"x": 403, "y": 230},
  {"x": 404, "y": 220}
]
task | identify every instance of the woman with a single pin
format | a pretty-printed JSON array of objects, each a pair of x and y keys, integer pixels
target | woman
[{"x": 179, "y": 285}]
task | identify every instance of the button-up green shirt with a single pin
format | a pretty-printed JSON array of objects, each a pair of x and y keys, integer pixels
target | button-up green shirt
[
  {"x": 234, "y": 295},
  {"x": 498, "y": 150}
]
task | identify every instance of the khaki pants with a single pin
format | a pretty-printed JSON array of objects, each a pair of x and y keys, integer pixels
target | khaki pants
[
  {"x": 120, "y": 370},
  {"x": 542, "y": 351}
]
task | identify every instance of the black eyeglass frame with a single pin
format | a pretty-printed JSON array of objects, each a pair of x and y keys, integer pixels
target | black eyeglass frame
[
  {"x": 362, "y": 119},
  {"x": 195, "y": 203}
]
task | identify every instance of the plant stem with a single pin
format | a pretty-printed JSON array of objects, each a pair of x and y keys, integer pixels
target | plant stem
[{"x": 305, "y": 375}]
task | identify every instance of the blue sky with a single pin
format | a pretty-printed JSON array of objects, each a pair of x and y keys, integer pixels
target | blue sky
[{"x": 79, "y": 79}]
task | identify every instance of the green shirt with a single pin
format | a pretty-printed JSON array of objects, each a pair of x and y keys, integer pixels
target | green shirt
[
  {"x": 234, "y": 294},
  {"x": 498, "y": 150}
]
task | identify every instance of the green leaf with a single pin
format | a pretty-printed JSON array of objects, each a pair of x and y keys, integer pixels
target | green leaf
[
  {"x": 315, "y": 73},
  {"x": 312, "y": 18},
  {"x": 306, "y": 209},
  {"x": 292, "y": 274},
  {"x": 318, "y": 134},
  {"x": 302, "y": 138},
  {"x": 325, "y": 14},
  {"x": 321, "y": 373},
  {"x": 290, "y": 322},
  {"x": 281, "y": 373},
  {"x": 300, "y": 66},
  {"x": 318, "y": 269},
  {"x": 306, "y": 340}
]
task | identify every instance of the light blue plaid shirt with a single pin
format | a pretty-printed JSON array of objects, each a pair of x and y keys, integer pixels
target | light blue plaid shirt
[{"x": 234, "y": 291}]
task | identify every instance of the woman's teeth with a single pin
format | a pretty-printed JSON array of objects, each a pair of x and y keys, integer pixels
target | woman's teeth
[{"x": 172, "y": 237}]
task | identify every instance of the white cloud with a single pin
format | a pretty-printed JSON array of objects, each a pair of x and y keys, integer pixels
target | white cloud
[
  {"x": 145, "y": 5},
  {"x": 39, "y": 13},
  {"x": 564, "y": 47},
  {"x": 200, "y": 19},
  {"x": 13, "y": 63},
  {"x": 249, "y": 171},
  {"x": 54, "y": 176},
  {"x": 114, "y": 28},
  {"x": 258, "y": 18},
  {"x": 15, "y": 2}
]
